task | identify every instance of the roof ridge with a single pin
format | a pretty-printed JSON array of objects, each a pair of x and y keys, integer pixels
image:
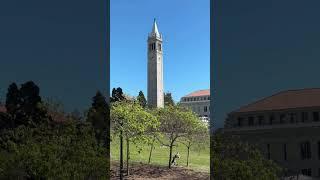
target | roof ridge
[
  {"x": 275, "y": 94},
  {"x": 197, "y": 91}
]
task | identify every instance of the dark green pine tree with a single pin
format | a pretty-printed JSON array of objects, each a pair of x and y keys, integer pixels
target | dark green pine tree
[
  {"x": 142, "y": 100},
  {"x": 25, "y": 106},
  {"x": 168, "y": 100},
  {"x": 117, "y": 95},
  {"x": 12, "y": 99},
  {"x": 98, "y": 115}
]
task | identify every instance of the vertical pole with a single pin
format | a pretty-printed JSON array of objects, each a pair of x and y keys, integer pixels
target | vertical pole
[
  {"x": 128, "y": 156},
  {"x": 121, "y": 156}
]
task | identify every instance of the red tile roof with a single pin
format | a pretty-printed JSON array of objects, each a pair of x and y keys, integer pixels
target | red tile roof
[
  {"x": 3, "y": 108},
  {"x": 285, "y": 100},
  {"x": 205, "y": 92}
]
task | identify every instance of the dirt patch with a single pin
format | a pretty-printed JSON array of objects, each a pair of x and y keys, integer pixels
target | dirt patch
[{"x": 140, "y": 171}]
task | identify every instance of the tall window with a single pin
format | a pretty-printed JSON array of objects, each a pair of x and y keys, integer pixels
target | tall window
[
  {"x": 285, "y": 152},
  {"x": 282, "y": 118},
  {"x": 271, "y": 119},
  {"x": 292, "y": 117},
  {"x": 260, "y": 120},
  {"x": 240, "y": 121},
  {"x": 251, "y": 122},
  {"x": 315, "y": 116},
  {"x": 304, "y": 116},
  {"x": 205, "y": 109},
  {"x": 159, "y": 47},
  {"x": 305, "y": 150}
]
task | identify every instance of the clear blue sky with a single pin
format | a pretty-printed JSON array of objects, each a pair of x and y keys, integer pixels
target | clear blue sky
[
  {"x": 185, "y": 26},
  {"x": 263, "y": 47}
]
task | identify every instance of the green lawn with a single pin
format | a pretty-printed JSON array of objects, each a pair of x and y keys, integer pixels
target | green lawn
[{"x": 199, "y": 160}]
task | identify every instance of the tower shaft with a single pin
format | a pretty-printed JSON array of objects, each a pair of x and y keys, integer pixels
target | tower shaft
[{"x": 155, "y": 69}]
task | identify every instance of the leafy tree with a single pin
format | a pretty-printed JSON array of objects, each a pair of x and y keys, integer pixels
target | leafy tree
[
  {"x": 130, "y": 121},
  {"x": 32, "y": 149},
  {"x": 175, "y": 122},
  {"x": 142, "y": 100},
  {"x": 198, "y": 135},
  {"x": 234, "y": 159},
  {"x": 168, "y": 100},
  {"x": 66, "y": 150},
  {"x": 75, "y": 114}
]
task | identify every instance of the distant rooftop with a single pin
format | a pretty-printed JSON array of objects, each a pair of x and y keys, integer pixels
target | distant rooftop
[
  {"x": 285, "y": 100},
  {"x": 205, "y": 92}
]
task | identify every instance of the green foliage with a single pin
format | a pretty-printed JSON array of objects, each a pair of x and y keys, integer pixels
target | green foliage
[
  {"x": 60, "y": 151},
  {"x": 25, "y": 106},
  {"x": 32, "y": 146},
  {"x": 117, "y": 95},
  {"x": 142, "y": 100},
  {"x": 98, "y": 115},
  {"x": 131, "y": 119},
  {"x": 232, "y": 159},
  {"x": 168, "y": 100},
  {"x": 176, "y": 122}
]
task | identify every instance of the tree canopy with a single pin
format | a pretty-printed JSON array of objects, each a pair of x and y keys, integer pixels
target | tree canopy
[
  {"x": 39, "y": 141},
  {"x": 234, "y": 159},
  {"x": 168, "y": 100},
  {"x": 142, "y": 100}
]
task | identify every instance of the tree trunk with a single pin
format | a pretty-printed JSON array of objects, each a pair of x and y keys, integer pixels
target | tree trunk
[
  {"x": 170, "y": 155},
  {"x": 152, "y": 146},
  {"x": 128, "y": 156},
  {"x": 121, "y": 156},
  {"x": 188, "y": 156}
]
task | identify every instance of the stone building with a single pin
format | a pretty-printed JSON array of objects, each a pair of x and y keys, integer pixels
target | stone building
[
  {"x": 285, "y": 126},
  {"x": 155, "y": 68},
  {"x": 198, "y": 102}
]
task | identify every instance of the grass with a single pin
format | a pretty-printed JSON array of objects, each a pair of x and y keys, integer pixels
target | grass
[{"x": 199, "y": 159}]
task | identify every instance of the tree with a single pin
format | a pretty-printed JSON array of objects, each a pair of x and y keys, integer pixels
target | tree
[
  {"x": 12, "y": 102},
  {"x": 130, "y": 121},
  {"x": 25, "y": 105},
  {"x": 168, "y": 100},
  {"x": 235, "y": 159},
  {"x": 98, "y": 115},
  {"x": 198, "y": 135},
  {"x": 175, "y": 122},
  {"x": 66, "y": 150},
  {"x": 142, "y": 100},
  {"x": 117, "y": 95}
]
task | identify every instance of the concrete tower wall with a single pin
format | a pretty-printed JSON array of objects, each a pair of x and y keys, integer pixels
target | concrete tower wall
[{"x": 155, "y": 69}]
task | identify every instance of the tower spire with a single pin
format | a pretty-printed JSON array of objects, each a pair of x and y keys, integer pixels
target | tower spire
[{"x": 155, "y": 28}]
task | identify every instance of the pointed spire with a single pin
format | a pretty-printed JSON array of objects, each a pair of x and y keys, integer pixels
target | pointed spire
[{"x": 155, "y": 28}]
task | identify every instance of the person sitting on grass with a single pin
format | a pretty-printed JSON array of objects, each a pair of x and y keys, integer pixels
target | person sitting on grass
[{"x": 174, "y": 159}]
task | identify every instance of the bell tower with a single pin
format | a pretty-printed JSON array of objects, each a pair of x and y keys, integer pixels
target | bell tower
[{"x": 155, "y": 68}]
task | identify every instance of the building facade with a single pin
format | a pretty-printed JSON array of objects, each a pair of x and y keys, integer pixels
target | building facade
[
  {"x": 198, "y": 102},
  {"x": 285, "y": 126},
  {"x": 155, "y": 96}
]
